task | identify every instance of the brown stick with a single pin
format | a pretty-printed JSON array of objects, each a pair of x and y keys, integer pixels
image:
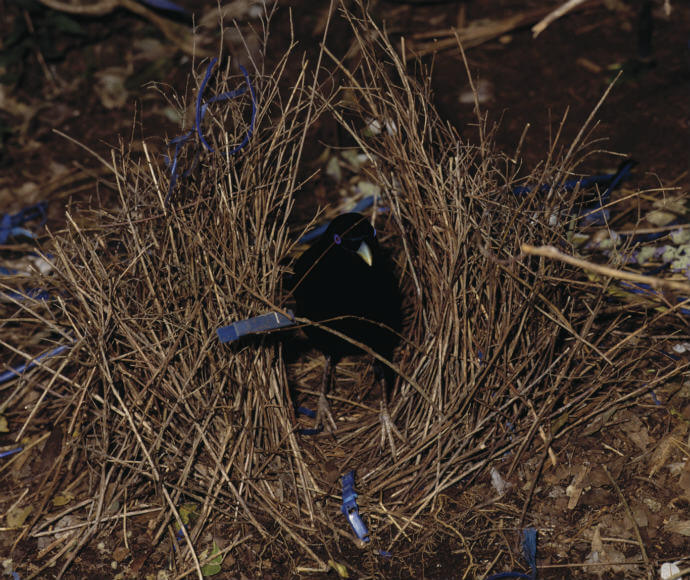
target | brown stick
[{"x": 552, "y": 252}]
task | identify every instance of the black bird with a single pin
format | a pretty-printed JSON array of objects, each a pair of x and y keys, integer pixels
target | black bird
[{"x": 344, "y": 282}]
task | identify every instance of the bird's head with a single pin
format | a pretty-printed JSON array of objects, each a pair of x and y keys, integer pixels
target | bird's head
[{"x": 353, "y": 233}]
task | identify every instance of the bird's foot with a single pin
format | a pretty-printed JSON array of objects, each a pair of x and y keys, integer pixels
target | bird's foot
[
  {"x": 388, "y": 429},
  {"x": 324, "y": 410}
]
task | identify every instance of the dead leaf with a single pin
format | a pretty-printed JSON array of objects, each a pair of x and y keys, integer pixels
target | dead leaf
[
  {"x": 681, "y": 527},
  {"x": 598, "y": 422},
  {"x": 663, "y": 449},
  {"x": 16, "y": 516},
  {"x": 684, "y": 480},
  {"x": 639, "y": 512},
  {"x": 557, "y": 475},
  {"x": 574, "y": 490},
  {"x": 62, "y": 499},
  {"x": 604, "y": 556},
  {"x": 51, "y": 451},
  {"x": 636, "y": 431},
  {"x": 673, "y": 204},
  {"x": 110, "y": 86},
  {"x": 660, "y": 218},
  {"x": 597, "y": 544}
]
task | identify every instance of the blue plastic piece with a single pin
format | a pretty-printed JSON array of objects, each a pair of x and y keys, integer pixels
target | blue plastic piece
[
  {"x": 200, "y": 113},
  {"x": 314, "y": 431},
  {"x": 307, "y": 412},
  {"x": 270, "y": 321},
  {"x": 165, "y": 5},
  {"x": 313, "y": 234},
  {"x": 17, "y": 371},
  {"x": 316, "y": 232},
  {"x": 30, "y": 294},
  {"x": 10, "y": 452},
  {"x": 596, "y": 214},
  {"x": 529, "y": 551},
  {"x": 647, "y": 290},
  {"x": 179, "y": 536},
  {"x": 312, "y": 415},
  {"x": 350, "y": 509},
  {"x": 363, "y": 204},
  {"x": 10, "y": 224},
  {"x": 201, "y": 109},
  {"x": 612, "y": 179}
]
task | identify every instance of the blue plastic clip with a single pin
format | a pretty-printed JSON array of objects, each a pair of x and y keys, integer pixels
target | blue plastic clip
[
  {"x": 270, "y": 321},
  {"x": 350, "y": 508}
]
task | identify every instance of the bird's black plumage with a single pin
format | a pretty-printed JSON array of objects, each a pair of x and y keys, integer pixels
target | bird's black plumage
[
  {"x": 345, "y": 282},
  {"x": 334, "y": 285}
]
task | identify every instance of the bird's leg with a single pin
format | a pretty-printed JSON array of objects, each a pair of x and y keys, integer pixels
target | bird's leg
[
  {"x": 323, "y": 409},
  {"x": 388, "y": 428}
]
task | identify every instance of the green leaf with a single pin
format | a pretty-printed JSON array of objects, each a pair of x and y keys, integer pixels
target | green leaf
[
  {"x": 339, "y": 568},
  {"x": 68, "y": 25},
  {"x": 17, "y": 516},
  {"x": 62, "y": 499},
  {"x": 187, "y": 510},
  {"x": 214, "y": 566}
]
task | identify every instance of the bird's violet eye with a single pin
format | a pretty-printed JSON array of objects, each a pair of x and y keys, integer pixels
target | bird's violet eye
[{"x": 337, "y": 239}]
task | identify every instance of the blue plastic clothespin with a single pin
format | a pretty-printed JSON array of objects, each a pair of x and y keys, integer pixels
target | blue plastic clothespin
[
  {"x": 270, "y": 321},
  {"x": 350, "y": 509}
]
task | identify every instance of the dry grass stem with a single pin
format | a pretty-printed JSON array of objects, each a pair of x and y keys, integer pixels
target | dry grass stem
[{"x": 153, "y": 426}]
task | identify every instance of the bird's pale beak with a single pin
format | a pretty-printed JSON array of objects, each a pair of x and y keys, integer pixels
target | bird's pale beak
[{"x": 364, "y": 252}]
